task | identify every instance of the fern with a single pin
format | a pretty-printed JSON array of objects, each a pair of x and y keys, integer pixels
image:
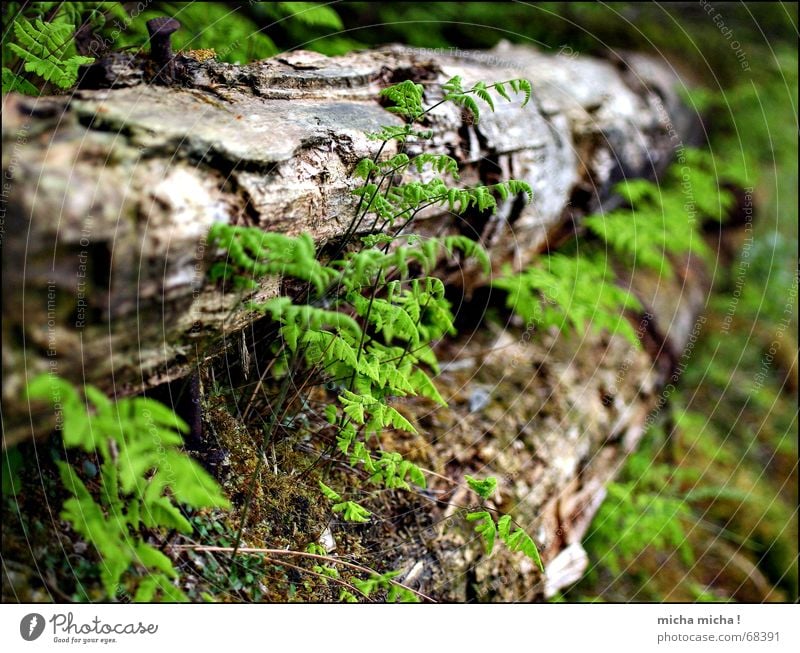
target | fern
[
  {"x": 404, "y": 201},
  {"x": 366, "y": 322},
  {"x": 352, "y": 512},
  {"x": 40, "y": 39},
  {"x": 406, "y": 98},
  {"x": 629, "y": 521},
  {"x": 699, "y": 180},
  {"x": 384, "y": 582},
  {"x": 518, "y": 540},
  {"x": 255, "y": 253},
  {"x": 391, "y": 471},
  {"x": 489, "y": 530},
  {"x": 414, "y": 311},
  {"x": 399, "y": 133},
  {"x": 485, "y": 527},
  {"x": 143, "y": 475},
  {"x": 13, "y": 83},
  {"x": 579, "y": 293},
  {"x": 366, "y": 587},
  {"x": 311, "y": 13},
  {"x": 484, "y": 488},
  {"x": 454, "y": 92},
  {"x": 665, "y": 219},
  {"x": 646, "y": 509},
  {"x": 45, "y": 50},
  {"x": 570, "y": 293}
]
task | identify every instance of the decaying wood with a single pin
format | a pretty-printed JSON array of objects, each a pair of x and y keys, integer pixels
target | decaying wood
[
  {"x": 112, "y": 192},
  {"x": 557, "y": 419}
]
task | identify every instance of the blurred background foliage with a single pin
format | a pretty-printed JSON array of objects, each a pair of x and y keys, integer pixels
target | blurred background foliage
[{"x": 706, "y": 509}]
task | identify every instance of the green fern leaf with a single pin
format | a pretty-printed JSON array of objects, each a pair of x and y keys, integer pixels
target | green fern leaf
[
  {"x": 453, "y": 86},
  {"x": 470, "y": 104},
  {"x": 485, "y": 527},
  {"x": 160, "y": 512},
  {"x": 504, "y": 526},
  {"x": 407, "y": 98},
  {"x": 154, "y": 559},
  {"x": 423, "y": 385},
  {"x": 501, "y": 90},
  {"x": 329, "y": 493},
  {"x": 396, "y": 420},
  {"x": 525, "y": 87},
  {"x": 483, "y": 487},
  {"x": 352, "y": 512},
  {"x": 44, "y": 49},
  {"x": 480, "y": 90},
  {"x": 313, "y": 14},
  {"x": 519, "y": 540},
  {"x": 14, "y": 83}
]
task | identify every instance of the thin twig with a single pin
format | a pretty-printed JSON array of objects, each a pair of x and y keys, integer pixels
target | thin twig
[{"x": 301, "y": 554}]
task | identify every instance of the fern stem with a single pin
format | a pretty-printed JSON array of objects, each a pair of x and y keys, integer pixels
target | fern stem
[{"x": 355, "y": 222}]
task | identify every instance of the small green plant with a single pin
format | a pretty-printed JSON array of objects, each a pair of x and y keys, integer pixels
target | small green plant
[
  {"x": 350, "y": 510},
  {"x": 570, "y": 292},
  {"x": 383, "y": 582},
  {"x": 665, "y": 218},
  {"x": 372, "y": 343},
  {"x": 143, "y": 477},
  {"x": 43, "y": 41},
  {"x": 632, "y": 519},
  {"x": 375, "y": 582},
  {"x": 579, "y": 292},
  {"x": 373, "y": 337},
  {"x": 646, "y": 509},
  {"x": 366, "y": 322},
  {"x": 514, "y": 537}
]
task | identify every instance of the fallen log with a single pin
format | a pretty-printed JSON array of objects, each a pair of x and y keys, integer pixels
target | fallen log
[{"x": 111, "y": 192}]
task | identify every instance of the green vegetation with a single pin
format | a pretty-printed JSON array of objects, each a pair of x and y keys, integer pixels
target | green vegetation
[
  {"x": 659, "y": 220},
  {"x": 568, "y": 291},
  {"x": 142, "y": 477},
  {"x": 43, "y": 42},
  {"x": 40, "y": 40},
  {"x": 361, "y": 319},
  {"x": 373, "y": 340}
]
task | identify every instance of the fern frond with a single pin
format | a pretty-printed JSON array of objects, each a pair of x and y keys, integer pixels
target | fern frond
[
  {"x": 518, "y": 540},
  {"x": 407, "y": 99},
  {"x": 328, "y": 493},
  {"x": 44, "y": 47},
  {"x": 141, "y": 482},
  {"x": 14, "y": 83},
  {"x": 312, "y": 13},
  {"x": 480, "y": 90},
  {"x": 400, "y": 134},
  {"x": 483, "y": 487},
  {"x": 570, "y": 292},
  {"x": 485, "y": 527},
  {"x": 353, "y": 512}
]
